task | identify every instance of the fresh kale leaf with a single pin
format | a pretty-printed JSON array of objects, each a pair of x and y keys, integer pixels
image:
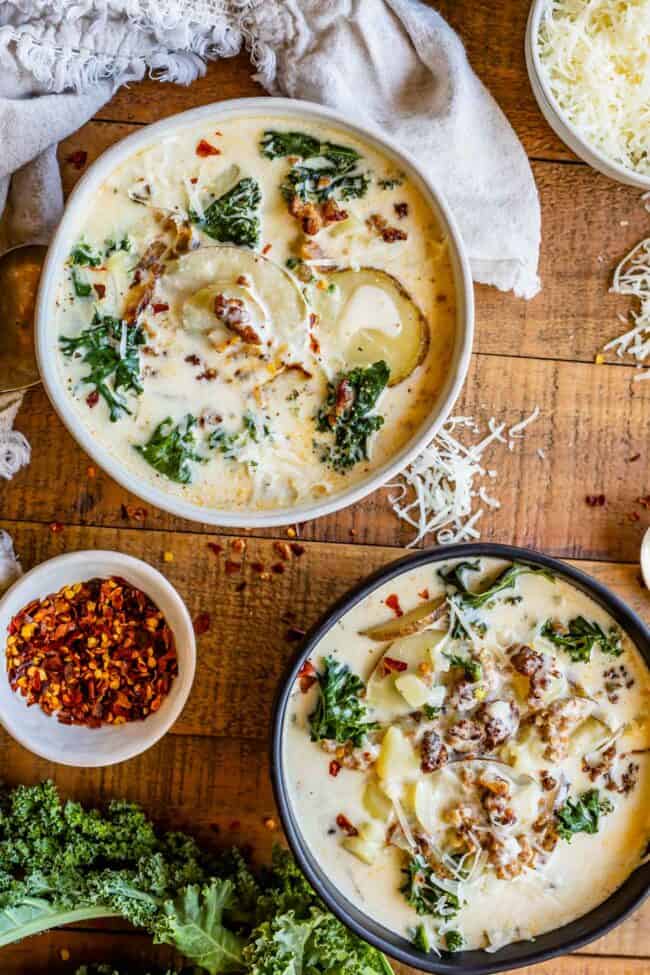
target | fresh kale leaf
[
  {"x": 581, "y": 814},
  {"x": 83, "y": 255},
  {"x": 325, "y": 169},
  {"x": 505, "y": 580},
  {"x": 582, "y": 636},
  {"x": 341, "y": 713},
  {"x": 171, "y": 448},
  {"x": 234, "y": 217},
  {"x": 422, "y": 892},
  {"x": 110, "y": 348},
  {"x": 473, "y": 669},
  {"x": 456, "y": 576},
  {"x": 61, "y": 863},
  {"x": 82, "y": 289},
  {"x": 347, "y": 415},
  {"x": 454, "y": 940}
]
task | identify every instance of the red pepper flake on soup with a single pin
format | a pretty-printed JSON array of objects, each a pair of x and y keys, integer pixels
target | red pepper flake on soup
[
  {"x": 93, "y": 653},
  {"x": 392, "y": 602},
  {"x": 394, "y": 666},
  {"x": 205, "y": 148}
]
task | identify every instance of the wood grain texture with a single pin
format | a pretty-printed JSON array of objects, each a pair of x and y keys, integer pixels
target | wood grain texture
[
  {"x": 210, "y": 775},
  {"x": 593, "y": 419}
]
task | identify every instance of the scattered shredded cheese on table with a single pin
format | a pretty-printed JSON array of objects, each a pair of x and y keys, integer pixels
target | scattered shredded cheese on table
[
  {"x": 596, "y": 56},
  {"x": 632, "y": 278},
  {"x": 437, "y": 492}
]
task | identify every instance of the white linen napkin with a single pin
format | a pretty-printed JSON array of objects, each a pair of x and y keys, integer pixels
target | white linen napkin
[{"x": 392, "y": 64}]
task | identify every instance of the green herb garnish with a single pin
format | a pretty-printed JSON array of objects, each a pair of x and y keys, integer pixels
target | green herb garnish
[
  {"x": 430, "y": 712},
  {"x": 111, "y": 246},
  {"x": 82, "y": 289},
  {"x": 421, "y": 939},
  {"x": 582, "y": 814},
  {"x": 581, "y": 637},
  {"x": 505, "y": 580},
  {"x": 473, "y": 669},
  {"x": 454, "y": 941},
  {"x": 233, "y": 218},
  {"x": 347, "y": 415},
  {"x": 341, "y": 713},
  {"x": 422, "y": 892},
  {"x": 456, "y": 576},
  {"x": 390, "y": 182},
  {"x": 325, "y": 170},
  {"x": 171, "y": 448},
  {"x": 231, "y": 444},
  {"x": 84, "y": 255},
  {"x": 111, "y": 348}
]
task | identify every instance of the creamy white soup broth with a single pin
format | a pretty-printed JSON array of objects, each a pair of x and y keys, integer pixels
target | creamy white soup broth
[
  {"x": 256, "y": 313},
  {"x": 466, "y": 754}
]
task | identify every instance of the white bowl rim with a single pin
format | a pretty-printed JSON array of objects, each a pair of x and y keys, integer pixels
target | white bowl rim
[
  {"x": 145, "y": 741},
  {"x": 561, "y": 125},
  {"x": 150, "y": 492}
]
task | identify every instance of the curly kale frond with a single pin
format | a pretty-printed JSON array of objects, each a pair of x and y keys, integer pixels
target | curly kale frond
[
  {"x": 234, "y": 217},
  {"x": 112, "y": 350},
  {"x": 581, "y": 814},
  {"x": 60, "y": 863},
  {"x": 84, "y": 255},
  {"x": 171, "y": 448},
  {"x": 347, "y": 414},
  {"x": 581, "y": 636},
  {"x": 341, "y": 713},
  {"x": 423, "y": 894}
]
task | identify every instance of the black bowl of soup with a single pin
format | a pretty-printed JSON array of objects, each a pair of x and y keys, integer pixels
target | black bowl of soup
[{"x": 460, "y": 758}]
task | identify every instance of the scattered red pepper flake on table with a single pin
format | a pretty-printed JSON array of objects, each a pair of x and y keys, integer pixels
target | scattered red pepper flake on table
[
  {"x": 297, "y": 549},
  {"x": 78, "y": 158},
  {"x": 634, "y": 457},
  {"x": 56, "y": 527},
  {"x": 202, "y": 623},
  {"x": 205, "y": 148},
  {"x": 295, "y": 633},
  {"x": 278, "y": 568},
  {"x": 257, "y": 566},
  {"x": 232, "y": 567},
  {"x": 344, "y": 823},
  {"x": 644, "y": 501},
  {"x": 595, "y": 500},
  {"x": 215, "y": 548},
  {"x": 392, "y": 602},
  {"x": 633, "y": 515},
  {"x": 94, "y": 652},
  {"x": 238, "y": 545},
  {"x": 283, "y": 549}
]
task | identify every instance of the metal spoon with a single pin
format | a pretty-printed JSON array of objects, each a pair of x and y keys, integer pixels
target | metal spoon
[{"x": 20, "y": 272}]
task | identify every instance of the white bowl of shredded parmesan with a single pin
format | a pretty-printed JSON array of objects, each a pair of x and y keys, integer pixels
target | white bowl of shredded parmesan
[{"x": 589, "y": 67}]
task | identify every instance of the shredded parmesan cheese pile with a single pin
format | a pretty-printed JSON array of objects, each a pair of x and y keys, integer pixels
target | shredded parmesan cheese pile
[
  {"x": 438, "y": 492},
  {"x": 596, "y": 55},
  {"x": 632, "y": 277}
]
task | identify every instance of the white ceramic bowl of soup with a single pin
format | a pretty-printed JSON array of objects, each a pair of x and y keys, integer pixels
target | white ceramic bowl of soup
[
  {"x": 561, "y": 125},
  {"x": 78, "y": 745},
  {"x": 67, "y": 234}
]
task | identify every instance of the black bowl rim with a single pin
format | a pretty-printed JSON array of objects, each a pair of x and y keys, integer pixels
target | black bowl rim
[{"x": 559, "y": 941}]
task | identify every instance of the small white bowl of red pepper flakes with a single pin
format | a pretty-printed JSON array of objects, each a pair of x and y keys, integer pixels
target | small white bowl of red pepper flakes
[{"x": 99, "y": 658}]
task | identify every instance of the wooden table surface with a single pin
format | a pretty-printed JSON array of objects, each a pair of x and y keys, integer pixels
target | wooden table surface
[{"x": 211, "y": 769}]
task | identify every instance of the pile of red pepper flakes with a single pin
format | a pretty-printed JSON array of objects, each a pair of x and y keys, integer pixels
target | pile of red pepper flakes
[{"x": 95, "y": 652}]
